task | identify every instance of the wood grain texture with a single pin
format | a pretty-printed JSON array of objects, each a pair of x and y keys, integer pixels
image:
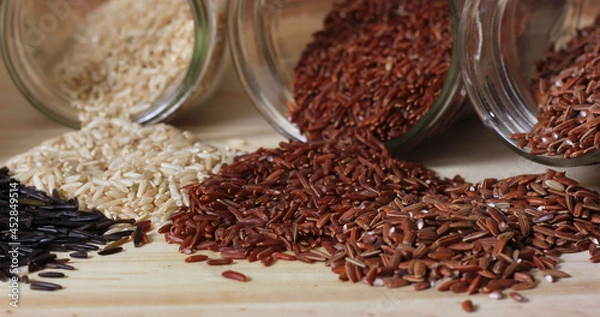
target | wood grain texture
[{"x": 154, "y": 280}]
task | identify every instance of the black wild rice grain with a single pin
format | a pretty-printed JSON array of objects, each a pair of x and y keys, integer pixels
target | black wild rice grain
[
  {"x": 51, "y": 274},
  {"x": 110, "y": 251},
  {"x": 138, "y": 235},
  {"x": 79, "y": 255},
  {"x": 38, "y": 224},
  {"x": 59, "y": 265},
  {"x": 44, "y": 286}
]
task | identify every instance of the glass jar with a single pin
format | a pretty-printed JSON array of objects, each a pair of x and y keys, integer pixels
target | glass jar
[
  {"x": 501, "y": 42},
  {"x": 267, "y": 38},
  {"x": 145, "y": 60}
]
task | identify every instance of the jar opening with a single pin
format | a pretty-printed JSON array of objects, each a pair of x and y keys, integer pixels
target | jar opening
[
  {"x": 265, "y": 55},
  {"x": 141, "y": 60},
  {"x": 502, "y": 46}
]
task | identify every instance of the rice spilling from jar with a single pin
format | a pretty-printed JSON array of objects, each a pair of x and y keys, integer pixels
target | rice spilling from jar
[{"x": 126, "y": 55}]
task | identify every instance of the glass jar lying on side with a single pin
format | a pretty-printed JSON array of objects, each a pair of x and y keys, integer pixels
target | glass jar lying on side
[
  {"x": 279, "y": 49},
  {"x": 146, "y": 61},
  {"x": 527, "y": 70}
]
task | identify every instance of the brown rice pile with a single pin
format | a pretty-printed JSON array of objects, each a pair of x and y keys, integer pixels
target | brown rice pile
[
  {"x": 127, "y": 54},
  {"x": 121, "y": 168}
]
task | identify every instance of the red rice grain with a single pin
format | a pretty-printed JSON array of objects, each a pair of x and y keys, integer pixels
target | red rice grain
[
  {"x": 196, "y": 258},
  {"x": 233, "y": 275},
  {"x": 467, "y": 305},
  {"x": 219, "y": 261}
]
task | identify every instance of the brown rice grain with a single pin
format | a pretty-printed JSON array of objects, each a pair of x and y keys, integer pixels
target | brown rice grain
[{"x": 517, "y": 297}]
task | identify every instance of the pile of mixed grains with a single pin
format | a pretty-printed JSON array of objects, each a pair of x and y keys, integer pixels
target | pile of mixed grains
[
  {"x": 110, "y": 181},
  {"x": 36, "y": 227}
]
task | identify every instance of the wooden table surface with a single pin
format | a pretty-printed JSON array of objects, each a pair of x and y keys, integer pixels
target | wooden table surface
[{"x": 154, "y": 280}]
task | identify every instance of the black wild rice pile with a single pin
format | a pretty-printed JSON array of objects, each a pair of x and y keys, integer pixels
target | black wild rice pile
[
  {"x": 378, "y": 65},
  {"x": 34, "y": 226},
  {"x": 566, "y": 85},
  {"x": 386, "y": 222}
]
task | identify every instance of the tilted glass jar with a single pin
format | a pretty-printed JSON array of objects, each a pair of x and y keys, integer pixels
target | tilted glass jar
[
  {"x": 500, "y": 41},
  {"x": 267, "y": 37},
  {"x": 39, "y": 36}
]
